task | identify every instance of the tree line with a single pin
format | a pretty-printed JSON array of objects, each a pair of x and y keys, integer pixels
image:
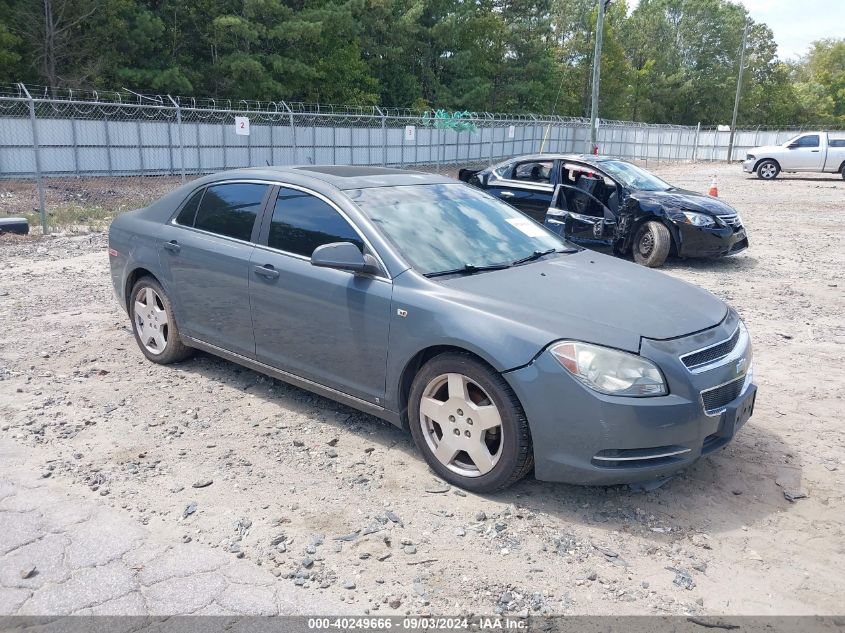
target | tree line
[{"x": 666, "y": 61}]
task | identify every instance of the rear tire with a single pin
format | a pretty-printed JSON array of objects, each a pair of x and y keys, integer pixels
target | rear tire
[
  {"x": 651, "y": 244},
  {"x": 768, "y": 170},
  {"x": 154, "y": 325},
  {"x": 469, "y": 424}
]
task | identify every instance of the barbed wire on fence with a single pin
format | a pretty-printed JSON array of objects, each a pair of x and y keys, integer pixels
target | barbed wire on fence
[{"x": 64, "y": 133}]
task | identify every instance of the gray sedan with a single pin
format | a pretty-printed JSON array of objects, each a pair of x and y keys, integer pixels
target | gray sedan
[{"x": 431, "y": 304}]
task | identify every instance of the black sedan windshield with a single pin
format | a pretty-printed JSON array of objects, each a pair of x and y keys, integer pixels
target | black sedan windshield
[
  {"x": 634, "y": 177},
  {"x": 454, "y": 227}
]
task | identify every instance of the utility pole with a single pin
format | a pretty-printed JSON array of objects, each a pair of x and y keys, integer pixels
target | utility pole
[
  {"x": 594, "y": 108},
  {"x": 738, "y": 91}
]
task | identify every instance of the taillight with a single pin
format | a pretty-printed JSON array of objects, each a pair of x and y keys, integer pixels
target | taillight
[{"x": 113, "y": 253}]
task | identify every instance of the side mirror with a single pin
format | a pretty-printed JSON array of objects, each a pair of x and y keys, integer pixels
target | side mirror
[
  {"x": 344, "y": 256},
  {"x": 792, "y": 146}
]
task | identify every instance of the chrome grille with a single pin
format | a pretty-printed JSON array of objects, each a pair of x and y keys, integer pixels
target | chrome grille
[
  {"x": 718, "y": 397},
  {"x": 711, "y": 354},
  {"x": 732, "y": 221}
]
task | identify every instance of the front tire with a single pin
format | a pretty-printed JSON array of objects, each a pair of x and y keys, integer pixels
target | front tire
[
  {"x": 842, "y": 171},
  {"x": 153, "y": 323},
  {"x": 768, "y": 170},
  {"x": 469, "y": 424},
  {"x": 651, "y": 244}
]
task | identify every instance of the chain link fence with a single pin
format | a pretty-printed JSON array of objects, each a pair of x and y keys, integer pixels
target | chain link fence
[{"x": 72, "y": 159}]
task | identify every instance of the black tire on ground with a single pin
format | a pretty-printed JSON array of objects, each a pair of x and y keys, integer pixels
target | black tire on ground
[
  {"x": 517, "y": 456},
  {"x": 842, "y": 171},
  {"x": 174, "y": 350},
  {"x": 651, "y": 244},
  {"x": 768, "y": 170},
  {"x": 20, "y": 226}
]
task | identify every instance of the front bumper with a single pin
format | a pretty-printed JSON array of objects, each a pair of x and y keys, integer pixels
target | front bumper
[
  {"x": 719, "y": 241},
  {"x": 748, "y": 165},
  {"x": 583, "y": 437}
]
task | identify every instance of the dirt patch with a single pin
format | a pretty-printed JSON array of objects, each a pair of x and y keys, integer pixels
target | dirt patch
[{"x": 722, "y": 538}]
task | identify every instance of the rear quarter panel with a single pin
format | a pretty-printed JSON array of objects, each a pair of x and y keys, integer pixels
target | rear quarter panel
[{"x": 135, "y": 239}]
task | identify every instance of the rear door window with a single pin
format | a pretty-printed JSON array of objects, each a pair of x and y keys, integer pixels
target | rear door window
[
  {"x": 302, "y": 222},
  {"x": 230, "y": 209},
  {"x": 534, "y": 171},
  {"x": 189, "y": 211}
]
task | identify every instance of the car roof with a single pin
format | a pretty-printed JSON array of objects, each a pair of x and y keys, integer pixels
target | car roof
[
  {"x": 584, "y": 158},
  {"x": 341, "y": 176}
]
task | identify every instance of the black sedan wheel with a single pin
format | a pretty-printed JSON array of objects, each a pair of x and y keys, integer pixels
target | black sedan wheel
[
  {"x": 469, "y": 424},
  {"x": 651, "y": 244}
]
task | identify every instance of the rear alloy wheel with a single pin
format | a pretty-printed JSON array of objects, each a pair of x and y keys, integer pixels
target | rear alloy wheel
[
  {"x": 153, "y": 323},
  {"x": 469, "y": 424},
  {"x": 651, "y": 244},
  {"x": 768, "y": 170}
]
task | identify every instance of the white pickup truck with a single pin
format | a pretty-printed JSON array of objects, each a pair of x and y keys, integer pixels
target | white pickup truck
[{"x": 810, "y": 151}]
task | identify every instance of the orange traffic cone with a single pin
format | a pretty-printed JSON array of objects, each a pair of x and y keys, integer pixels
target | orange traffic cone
[{"x": 714, "y": 190}]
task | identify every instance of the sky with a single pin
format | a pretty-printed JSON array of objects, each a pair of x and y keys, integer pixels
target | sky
[{"x": 796, "y": 23}]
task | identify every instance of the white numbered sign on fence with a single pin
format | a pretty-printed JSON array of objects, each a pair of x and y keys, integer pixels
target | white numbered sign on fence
[
  {"x": 511, "y": 131},
  {"x": 410, "y": 132},
  {"x": 242, "y": 125}
]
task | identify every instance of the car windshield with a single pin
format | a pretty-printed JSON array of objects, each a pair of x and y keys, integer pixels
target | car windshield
[
  {"x": 454, "y": 227},
  {"x": 634, "y": 177}
]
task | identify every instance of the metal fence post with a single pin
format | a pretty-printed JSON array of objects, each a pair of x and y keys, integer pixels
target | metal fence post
[
  {"x": 383, "y": 137},
  {"x": 179, "y": 130},
  {"x": 695, "y": 143},
  {"x": 108, "y": 144},
  {"x": 492, "y": 140},
  {"x": 292, "y": 131},
  {"x": 39, "y": 177},
  {"x": 75, "y": 146},
  {"x": 140, "y": 146}
]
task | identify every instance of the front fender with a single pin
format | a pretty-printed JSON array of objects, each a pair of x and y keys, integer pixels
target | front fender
[
  {"x": 419, "y": 324},
  {"x": 642, "y": 212}
]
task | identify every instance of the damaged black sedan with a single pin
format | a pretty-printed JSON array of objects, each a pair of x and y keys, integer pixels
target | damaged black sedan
[{"x": 610, "y": 204}]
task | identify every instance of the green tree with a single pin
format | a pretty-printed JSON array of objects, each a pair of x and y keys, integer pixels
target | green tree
[{"x": 820, "y": 82}]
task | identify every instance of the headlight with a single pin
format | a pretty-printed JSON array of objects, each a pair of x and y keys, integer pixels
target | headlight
[
  {"x": 696, "y": 219},
  {"x": 610, "y": 371},
  {"x": 749, "y": 157}
]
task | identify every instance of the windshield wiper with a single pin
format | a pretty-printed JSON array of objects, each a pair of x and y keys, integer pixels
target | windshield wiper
[
  {"x": 539, "y": 254},
  {"x": 467, "y": 269}
]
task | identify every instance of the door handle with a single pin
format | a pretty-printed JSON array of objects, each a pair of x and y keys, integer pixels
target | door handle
[
  {"x": 266, "y": 271},
  {"x": 506, "y": 194},
  {"x": 814, "y": 151},
  {"x": 172, "y": 246}
]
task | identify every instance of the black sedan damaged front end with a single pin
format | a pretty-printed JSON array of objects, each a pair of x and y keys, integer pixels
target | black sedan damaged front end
[{"x": 701, "y": 225}]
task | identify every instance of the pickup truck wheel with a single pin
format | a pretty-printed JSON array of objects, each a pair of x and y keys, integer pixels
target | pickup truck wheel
[
  {"x": 768, "y": 170},
  {"x": 651, "y": 244},
  {"x": 469, "y": 424},
  {"x": 153, "y": 323},
  {"x": 842, "y": 171}
]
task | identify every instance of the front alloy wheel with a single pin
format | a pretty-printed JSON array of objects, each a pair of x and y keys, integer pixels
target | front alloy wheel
[
  {"x": 461, "y": 425},
  {"x": 768, "y": 170},
  {"x": 469, "y": 424}
]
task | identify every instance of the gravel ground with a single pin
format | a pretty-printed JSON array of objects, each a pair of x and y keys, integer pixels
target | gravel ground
[{"x": 338, "y": 505}]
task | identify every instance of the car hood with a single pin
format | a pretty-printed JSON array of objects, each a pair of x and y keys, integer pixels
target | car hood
[
  {"x": 685, "y": 199},
  {"x": 765, "y": 149},
  {"x": 591, "y": 297}
]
